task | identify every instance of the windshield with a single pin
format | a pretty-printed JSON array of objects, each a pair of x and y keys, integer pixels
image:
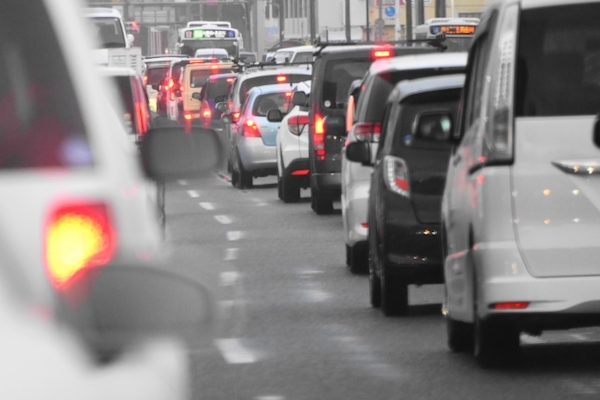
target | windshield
[
  {"x": 283, "y": 57},
  {"x": 217, "y": 87},
  {"x": 558, "y": 62},
  {"x": 271, "y": 101},
  {"x": 190, "y": 47},
  {"x": 155, "y": 76},
  {"x": 458, "y": 44},
  {"x": 267, "y": 80},
  {"x": 109, "y": 32}
]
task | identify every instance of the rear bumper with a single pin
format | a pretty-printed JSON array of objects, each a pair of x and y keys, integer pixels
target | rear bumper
[
  {"x": 355, "y": 206},
  {"x": 299, "y": 164},
  {"x": 256, "y": 156},
  {"x": 327, "y": 182}
]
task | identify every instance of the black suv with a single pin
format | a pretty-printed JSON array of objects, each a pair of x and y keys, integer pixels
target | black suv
[
  {"x": 407, "y": 184},
  {"x": 335, "y": 68}
]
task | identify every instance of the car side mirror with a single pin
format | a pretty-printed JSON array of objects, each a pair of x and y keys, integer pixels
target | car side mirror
[
  {"x": 274, "y": 115},
  {"x": 299, "y": 99},
  {"x": 221, "y": 106},
  {"x": 359, "y": 152},
  {"x": 115, "y": 306},
  {"x": 226, "y": 118},
  {"x": 197, "y": 95},
  {"x": 170, "y": 153},
  {"x": 433, "y": 126},
  {"x": 335, "y": 125}
]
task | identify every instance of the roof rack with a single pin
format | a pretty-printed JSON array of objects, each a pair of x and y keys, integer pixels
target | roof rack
[{"x": 436, "y": 42}]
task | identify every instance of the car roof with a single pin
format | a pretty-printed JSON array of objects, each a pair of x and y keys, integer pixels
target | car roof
[
  {"x": 277, "y": 69},
  {"x": 266, "y": 89},
  {"x": 550, "y": 3},
  {"x": 408, "y": 88},
  {"x": 101, "y": 12},
  {"x": 116, "y": 71},
  {"x": 419, "y": 61},
  {"x": 296, "y": 49}
]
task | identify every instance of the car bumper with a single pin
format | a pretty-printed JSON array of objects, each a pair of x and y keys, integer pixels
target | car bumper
[
  {"x": 355, "y": 205},
  {"x": 327, "y": 182},
  {"x": 256, "y": 156},
  {"x": 412, "y": 249},
  {"x": 296, "y": 166}
]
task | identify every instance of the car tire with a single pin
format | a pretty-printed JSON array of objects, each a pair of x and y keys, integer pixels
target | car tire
[
  {"x": 357, "y": 259},
  {"x": 246, "y": 178},
  {"x": 495, "y": 345},
  {"x": 279, "y": 191},
  {"x": 394, "y": 295},
  {"x": 374, "y": 286},
  {"x": 290, "y": 192},
  {"x": 460, "y": 335},
  {"x": 320, "y": 204}
]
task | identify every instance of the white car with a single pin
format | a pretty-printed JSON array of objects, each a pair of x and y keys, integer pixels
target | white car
[
  {"x": 521, "y": 207},
  {"x": 74, "y": 200},
  {"x": 292, "y": 148},
  {"x": 298, "y": 54}
]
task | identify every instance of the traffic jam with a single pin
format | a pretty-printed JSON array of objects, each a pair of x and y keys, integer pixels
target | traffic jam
[{"x": 331, "y": 219}]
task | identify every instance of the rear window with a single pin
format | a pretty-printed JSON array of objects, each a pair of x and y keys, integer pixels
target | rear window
[
  {"x": 558, "y": 61},
  {"x": 249, "y": 83},
  {"x": 304, "y": 57},
  {"x": 198, "y": 77},
  {"x": 370, "y": 110},
  {"x": 339, "y": 75},
  {"x": 156, "y": 75},
  {"x": 271, "y": 101},
  {"x": 40, "y": 122},
  {"x": 217, "y": 87}
]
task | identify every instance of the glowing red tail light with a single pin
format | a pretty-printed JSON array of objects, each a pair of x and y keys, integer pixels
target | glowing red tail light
[
  {"x": 297, "y": 123},
  {"x": 187, "y": 116},
  {"x": 235, "y": 116},
  {"x": 282, "y": 78},
  {"x": 381, "y": 53},
  {"x": 300, "y": 172},
  {"x": 515, "y": 305},
  {"x": 250, "y": 129},
  {"x": 368, "y": 131},
  {"x": 319, "y": 137},
  {"x": 365, "y": 225},
  {"x": 77, "y": 236}
]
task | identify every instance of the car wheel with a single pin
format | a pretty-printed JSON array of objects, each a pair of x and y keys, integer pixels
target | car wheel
[
  {"x": 357, "y": 258},
  {"x": 279, "y": 191},
  {"x": 495, "y": 345},
  {"x": 374, "y": 286},
  {"x": 246, "y": 178},
  {"x": 320, "y": 204},
  {"x": 290, "y": 192},
  {"x": 460, "y": 335},
  {"x": 394, "y": 295}
]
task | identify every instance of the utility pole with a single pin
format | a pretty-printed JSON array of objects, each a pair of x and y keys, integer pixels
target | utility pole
[
  {"x": 440, "y": 8},
  {"x": 420, "y": 12},
  {"x": 368, "y": 33},
  {"x": 380, "y": 28},
  {"x": 348, "y": 31},
  {"x": 281, "y": 21},
  {"x": 313, "y": 20},
  {"x": 409, "y": 20}
]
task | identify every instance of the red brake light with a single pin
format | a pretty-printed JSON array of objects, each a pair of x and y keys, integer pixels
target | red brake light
[
  {"x": 198, "y": 61},
  {"x": 282, "y": 78},
  {"x": 319, "y": 137},
  {"x": 377, "y": 54},
  {"x": 297, "y": 123},
  {"x": 145, "y": 79},
  {"x": 214, "y": 67},
  {"x": 171, "y": 83},
  {"x": 365, "y": 225},
  {"x": 515, "y": 305},
  {"x": 187, "y": 116},
  {"x": 300, "y": 172},
  {"x": 235, "y": 116},
  {"x": 250, "y": 129},
  {"x": 368, "y": 131},
  {"x": 77, "y": 236},
  {"x": 229, "y": 80}
]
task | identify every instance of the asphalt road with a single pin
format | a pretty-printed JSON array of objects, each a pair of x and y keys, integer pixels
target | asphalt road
[{"x": 301, "y": 327}]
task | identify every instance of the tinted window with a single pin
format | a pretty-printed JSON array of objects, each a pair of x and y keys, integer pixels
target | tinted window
[
  {"x": 339, "y": 75},
  {"x": 217, "y": 87},
  {"x": 40, "y": 123},
  {"x": 271, "y": 101},
  {"x": 303, "y": 57},
  {"x": 109, "y": 32},
  {"x": 558, "y": 64},
  {"x": 249, "y": 83},
  {"x": 156, "y": 75},
  {"x": 198, "y": 77}
]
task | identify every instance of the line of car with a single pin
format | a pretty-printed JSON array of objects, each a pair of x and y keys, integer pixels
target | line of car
[{"x": 479, "y": 171}]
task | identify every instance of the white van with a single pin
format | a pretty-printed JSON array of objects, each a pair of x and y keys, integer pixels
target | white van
[{"x": 521, "y": 208}]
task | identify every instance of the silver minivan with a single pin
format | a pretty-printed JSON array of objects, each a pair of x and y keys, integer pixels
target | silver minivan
[{"x": 521, "y": 208}]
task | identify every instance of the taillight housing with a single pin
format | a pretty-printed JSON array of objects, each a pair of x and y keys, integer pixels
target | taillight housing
[
  {"x": 77, "y": 236},
  {"x": 395, "y": 175},
  {"x": 319, "y": 137},
  {"x": 498, "y": 143},
  {"x": 250, "y": 129},
  {"x": 297, "y": 124},
  {"x": 367, "y": 131},
  {"x": 235, "y": 116},
  {"x": 381, "y": 53}
]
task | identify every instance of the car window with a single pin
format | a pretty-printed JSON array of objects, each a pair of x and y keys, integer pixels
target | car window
[
  {"x": 216, "y": 87},
  {"x": 558, "y": 61},
  {"x": 271, "y": 101},
  {"x": 198, "y": 77},
  {"x": 303, "y": 57},
  {"x": 339, "y": 75},
  {"x": 156, "y": 75},
  {"x": 40, "y": 123},
  {"x": 109, "y": 32}
]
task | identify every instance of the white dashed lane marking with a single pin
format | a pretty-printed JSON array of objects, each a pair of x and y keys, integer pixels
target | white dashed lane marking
[
  {"x": 207, "y": 206},
  {"x": 224, "y": 219},
  {"x": 193, "y": 194},
  {"x": 232, "y": 236},
  {"x": 182, "y": 182},
  {"x": 229, "y": 278},
  {"x": 231, "y": 254},
  {"x": 234, "y": 352}
]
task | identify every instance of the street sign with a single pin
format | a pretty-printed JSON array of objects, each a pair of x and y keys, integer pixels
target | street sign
[
  {"x": 390, "y": 12},
  {"x": 379, "y": 23}
]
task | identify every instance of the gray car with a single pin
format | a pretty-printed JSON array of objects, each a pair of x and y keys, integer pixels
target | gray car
[{"x": 253, "y": 145}]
